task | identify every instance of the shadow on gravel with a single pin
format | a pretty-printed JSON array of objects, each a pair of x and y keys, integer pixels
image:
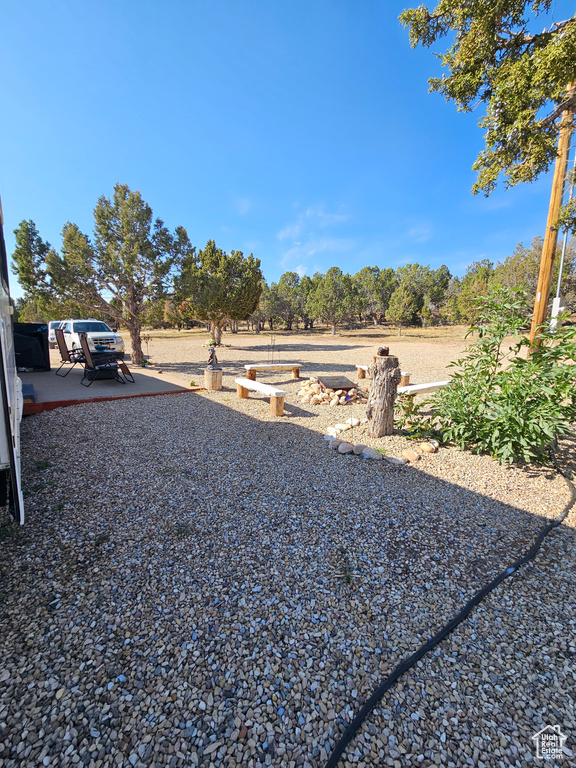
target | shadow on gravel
[
  {"x": 290, "y": 348},
  {"x": 236, "y": 368},
  {"x": 185, "y": 568}
]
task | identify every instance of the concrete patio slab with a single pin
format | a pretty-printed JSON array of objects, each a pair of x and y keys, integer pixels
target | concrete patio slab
[{"x": 51, "y": 391}]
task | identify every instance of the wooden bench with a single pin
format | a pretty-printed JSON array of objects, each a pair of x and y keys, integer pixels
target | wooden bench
[
  {"x": 276, "y": 395},
  {"x": 422, "y": 389},
  {"x": 252, "y": 368},
  {"x": 362, "y": 370}
]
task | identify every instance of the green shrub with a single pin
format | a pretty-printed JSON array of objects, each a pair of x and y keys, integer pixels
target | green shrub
[{"x": 502, "y": 402}]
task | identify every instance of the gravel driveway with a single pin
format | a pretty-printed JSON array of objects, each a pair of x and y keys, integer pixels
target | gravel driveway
[{"x": 201, "y": 584}]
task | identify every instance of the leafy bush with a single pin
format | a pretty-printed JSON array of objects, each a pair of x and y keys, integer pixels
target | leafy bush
[
  {"x": 501, "y": 401},
  {"x": 408, "y": 416}
]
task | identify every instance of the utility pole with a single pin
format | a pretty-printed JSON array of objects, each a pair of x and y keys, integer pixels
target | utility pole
[{"x": 551, "y": 235}]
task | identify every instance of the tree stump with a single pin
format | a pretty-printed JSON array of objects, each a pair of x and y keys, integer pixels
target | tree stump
[
  {"x": 380, "y": 412},
  {"x": 213, "y": 379}
]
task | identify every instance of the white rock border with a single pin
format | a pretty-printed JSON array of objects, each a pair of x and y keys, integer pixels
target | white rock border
[{"x": 346, "y": 448}]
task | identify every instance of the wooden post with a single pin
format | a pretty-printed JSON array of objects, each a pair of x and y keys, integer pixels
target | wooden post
[
  {"x": 277, "y": 405},
  {"x": 551, "y": 234},
  {"x": 241, "y": 391},
  {"x": 380, "y": 412},
  {"x": 213, "y": 379},
  {"x": 361, "y": 372},
  {"x": 296, "y": 373},
  {"x": 250, "y": 374}
]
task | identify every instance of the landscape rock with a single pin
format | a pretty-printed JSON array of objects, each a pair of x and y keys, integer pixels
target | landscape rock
[
  {"x": 372, "y": 453},
  {"x": 428, "y": 447},
  {"x": 359, "y": 448},
  {"x": 411, "y": 455},
  {"x": 345, "y": 448},
  {"x": 335, "y": 444}
]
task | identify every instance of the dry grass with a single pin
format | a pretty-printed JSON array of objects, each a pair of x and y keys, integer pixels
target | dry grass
[{"x": 435, "y": 334}]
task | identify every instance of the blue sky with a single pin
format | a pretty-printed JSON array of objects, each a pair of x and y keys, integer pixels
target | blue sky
[{"x": 302, "y": 132}]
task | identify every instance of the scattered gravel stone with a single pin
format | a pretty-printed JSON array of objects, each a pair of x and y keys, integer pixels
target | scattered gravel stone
[{"x": 245, "y": 592}]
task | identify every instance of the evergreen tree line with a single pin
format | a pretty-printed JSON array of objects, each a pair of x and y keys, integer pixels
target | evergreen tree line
[
  {"x": 409, "y": 295},
  {"x": 134, "y": 273}
]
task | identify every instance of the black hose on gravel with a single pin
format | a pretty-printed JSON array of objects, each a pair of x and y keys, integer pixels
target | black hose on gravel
[{"x": 448, "y": 629}]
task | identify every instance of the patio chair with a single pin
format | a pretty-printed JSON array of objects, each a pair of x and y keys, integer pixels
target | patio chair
[
  {"x": 67, "y": 356},
  {"x": 126, "y": 371},
  {"x": 98, "y": 367}
]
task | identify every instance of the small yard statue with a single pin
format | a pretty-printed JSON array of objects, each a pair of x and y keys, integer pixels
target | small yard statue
[
  {"x": 213, "y": 373},
  {"x": 213, "y": 360}
]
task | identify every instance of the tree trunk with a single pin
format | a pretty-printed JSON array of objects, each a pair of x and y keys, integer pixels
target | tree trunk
[
  {"x": 136, "y": 342},
  {"x": 217, "y": 333},
  {"x": 380, "y": 412},
  {"x": 399, "y": 330},
  {"x": 333, "y": 329}
]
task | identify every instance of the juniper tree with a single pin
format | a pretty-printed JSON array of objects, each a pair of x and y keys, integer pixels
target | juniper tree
[
  {"x": 128, "y": 261},
  {"x": 218, "y": 288},
  {"x": 523, "y": 78}
]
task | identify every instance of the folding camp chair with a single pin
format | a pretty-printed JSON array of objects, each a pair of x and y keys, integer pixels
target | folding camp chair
[
  {"x": 67, "y": 357},
  {"x": 98, "y": 367},
  {"x": 125, "y": 371}
]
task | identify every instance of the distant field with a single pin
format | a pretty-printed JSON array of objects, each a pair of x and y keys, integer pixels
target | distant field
[
  {"x": 432, "y": 334},
  {"x": 425, "y": 353}
]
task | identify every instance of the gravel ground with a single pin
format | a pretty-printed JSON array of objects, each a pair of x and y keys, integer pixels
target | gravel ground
[{"x": 201, "y": 584}]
